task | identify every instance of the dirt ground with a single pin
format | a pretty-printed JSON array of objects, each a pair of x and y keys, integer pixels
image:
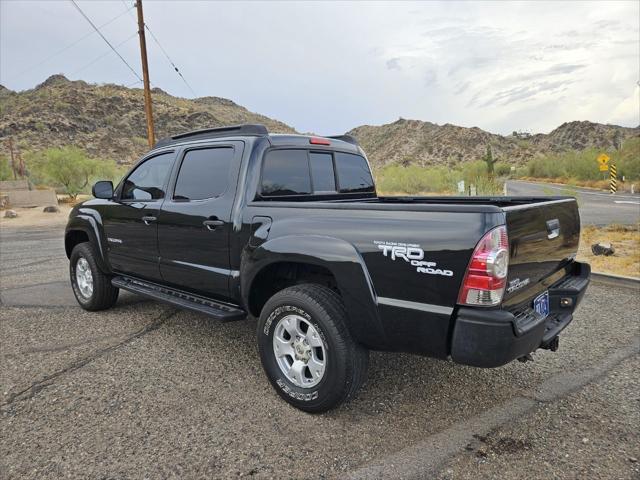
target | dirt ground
[
  {"x": 626, "y": 242},
  {"x": 35, "y": 217}
]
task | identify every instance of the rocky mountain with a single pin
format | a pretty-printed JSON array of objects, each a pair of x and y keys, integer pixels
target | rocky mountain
[
  {"x": 108, "y": 121},
  {"x": 416, "y": 142}
]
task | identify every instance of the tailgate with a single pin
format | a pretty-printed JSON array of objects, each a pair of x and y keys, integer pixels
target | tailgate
[{"x": 542, "y": 237}]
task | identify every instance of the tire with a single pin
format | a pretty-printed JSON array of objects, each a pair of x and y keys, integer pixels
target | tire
[
  {"x": 102, "y": 294},
  {"x": 344, "y": 361}
]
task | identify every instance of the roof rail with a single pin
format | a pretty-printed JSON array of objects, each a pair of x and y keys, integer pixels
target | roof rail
[
  {"x": 247, "y": 129},
  {"x": 346, "y": 138}
]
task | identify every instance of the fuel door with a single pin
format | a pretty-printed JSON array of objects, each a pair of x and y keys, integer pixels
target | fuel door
[{"x": 260, "y": 227}]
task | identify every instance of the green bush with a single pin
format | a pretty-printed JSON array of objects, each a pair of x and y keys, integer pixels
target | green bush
[
  {"x": 413, "y": 179},
  {"x": 503, "y": 169},
  {"x": 5, "y": 168},
  {"x": 69, "y": 168},
  {"x": 582, "y": 165}
]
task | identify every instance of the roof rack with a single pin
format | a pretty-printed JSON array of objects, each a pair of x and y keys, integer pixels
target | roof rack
[
  {"x": 247, "y": 129},
  {"x": 345, "y": 138}
]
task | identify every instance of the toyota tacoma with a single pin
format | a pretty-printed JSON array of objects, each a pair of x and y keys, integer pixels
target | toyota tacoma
[{"x": 235, "y": 222}]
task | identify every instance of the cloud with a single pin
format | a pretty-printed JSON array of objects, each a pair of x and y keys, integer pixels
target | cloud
[
  {"x": 502, "y": 66},
  {"x": 394, "y": 64}
]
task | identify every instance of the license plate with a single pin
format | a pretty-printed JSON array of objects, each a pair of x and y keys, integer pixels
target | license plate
[{"x": 541, "y": 304}]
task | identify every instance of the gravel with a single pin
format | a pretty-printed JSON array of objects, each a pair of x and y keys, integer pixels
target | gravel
[
  {"x": 593, "y": 433},
  {"x": 145, "y": 390}
]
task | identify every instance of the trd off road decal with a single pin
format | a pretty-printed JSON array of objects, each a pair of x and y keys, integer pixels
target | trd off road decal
[
  {"x": 412, "y": 254},
  {"x": 516, "y": 284}
]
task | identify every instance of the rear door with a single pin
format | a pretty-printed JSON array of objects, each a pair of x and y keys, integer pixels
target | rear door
[
  {"x": 543, "y": 236},
  {"x": 195, "y": 222},
  {"x": 130, "y": 221}
]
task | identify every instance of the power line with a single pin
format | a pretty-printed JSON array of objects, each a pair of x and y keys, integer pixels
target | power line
[
  {"x": 105, "y": 39},
  {"x": 170, "y": 61},
  {"x": 100, "y": 57},
  {"x": 155, "y": 39},
  {"x": 50, "y": 57}
]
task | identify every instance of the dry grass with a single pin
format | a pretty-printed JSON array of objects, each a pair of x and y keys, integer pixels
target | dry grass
[{"x": 626, "y": 242}]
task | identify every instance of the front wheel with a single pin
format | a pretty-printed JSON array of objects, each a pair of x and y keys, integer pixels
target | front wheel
[
  {"x": 92, "y": 288},
  {"x": 306, "y": 349}
]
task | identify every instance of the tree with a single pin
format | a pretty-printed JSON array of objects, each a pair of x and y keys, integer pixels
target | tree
[
  {"x": 68, "y": 167},
  {"x": 489, "y": 160}
]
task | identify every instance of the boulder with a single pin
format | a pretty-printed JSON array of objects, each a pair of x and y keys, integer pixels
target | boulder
[
  {"x": 10, "y": 214},
  {"x": 51, "y": 209},
  {"x": 605, "y": 249}
]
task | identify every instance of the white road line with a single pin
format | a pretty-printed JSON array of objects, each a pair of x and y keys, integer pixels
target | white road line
[
  {"x": 578, "y": 189},
  {"x": 626, "y": 201}
]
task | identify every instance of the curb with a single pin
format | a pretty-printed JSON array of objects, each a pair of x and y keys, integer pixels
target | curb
[{"x": 617, "y": 280}]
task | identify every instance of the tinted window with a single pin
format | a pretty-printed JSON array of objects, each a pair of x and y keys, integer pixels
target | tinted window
[
  {"x": 322, "y": 172},
  {"x": 147, "y": 181},
  {"x": 204, "y": 173},
  {"x": 353, "y": 173},
  {"x": 285, "y": 172}
]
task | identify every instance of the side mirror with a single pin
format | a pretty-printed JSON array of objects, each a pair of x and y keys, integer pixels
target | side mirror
[{"x": 103, "y": 189}]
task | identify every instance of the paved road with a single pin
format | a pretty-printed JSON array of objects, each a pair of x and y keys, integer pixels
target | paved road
[
  {"x": 148, "y": 391},
  {"x": 596, "y": 208}
]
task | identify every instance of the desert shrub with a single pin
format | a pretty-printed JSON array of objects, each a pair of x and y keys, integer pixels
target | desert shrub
[
  {"x": 502, "y": 169},
  {"x": 69, "y": 168},
  {"x": 582, "y": 165},
  {"x": 414, "y": 179},
  {"x": 629, "y": 159},
  {"x": 5, "y": 168}
]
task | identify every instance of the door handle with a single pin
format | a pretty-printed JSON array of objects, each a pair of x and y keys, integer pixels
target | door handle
[
  {"x": 212, "y": 224},
  {"x": 148, "y": 219}
]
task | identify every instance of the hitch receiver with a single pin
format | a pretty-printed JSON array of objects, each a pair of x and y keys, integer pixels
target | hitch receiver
[{"x": 552, "y": 344}]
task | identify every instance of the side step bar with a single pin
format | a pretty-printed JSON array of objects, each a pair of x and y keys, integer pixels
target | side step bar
[{"x": 219, "y": 310}]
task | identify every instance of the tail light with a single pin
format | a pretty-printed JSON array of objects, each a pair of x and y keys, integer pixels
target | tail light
[{"x": 486, "y": 276}]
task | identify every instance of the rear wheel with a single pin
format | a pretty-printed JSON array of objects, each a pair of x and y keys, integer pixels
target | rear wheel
[
  {"x": 92, "y": 288},
  {"x": 306, "y": 349}
]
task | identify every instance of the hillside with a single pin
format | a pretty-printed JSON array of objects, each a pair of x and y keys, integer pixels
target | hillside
[
  {"x": 423, "y": 143},
  {"x": 108, "y": 120}
]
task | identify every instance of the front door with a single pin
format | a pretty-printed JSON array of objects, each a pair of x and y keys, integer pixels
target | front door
[
  {"x": 194, "y": 224},
  {"x": 131, "y": 221}
]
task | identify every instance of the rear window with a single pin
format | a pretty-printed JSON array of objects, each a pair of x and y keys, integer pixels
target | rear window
[
  {"x": 324, "y": 179},
  {"x": 302, "y": 172},
  {"x": 353, "y": 173},
  {"x": 286, "y": 172}
]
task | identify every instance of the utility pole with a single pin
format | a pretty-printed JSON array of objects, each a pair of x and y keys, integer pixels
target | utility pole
[
  {"x": 13, "y": 161},
  {"x": 145, "y": 75}
]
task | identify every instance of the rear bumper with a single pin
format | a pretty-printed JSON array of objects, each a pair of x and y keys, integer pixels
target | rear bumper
[{"x": 491, "y": 338}]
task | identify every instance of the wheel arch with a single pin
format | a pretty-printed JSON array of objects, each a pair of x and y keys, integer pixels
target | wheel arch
[
  {"x": 85, "y": 228},
  {"x": 325, "y": 260}
]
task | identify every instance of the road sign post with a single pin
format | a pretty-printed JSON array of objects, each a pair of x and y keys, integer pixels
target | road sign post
[{"x": 613, "y": 178}]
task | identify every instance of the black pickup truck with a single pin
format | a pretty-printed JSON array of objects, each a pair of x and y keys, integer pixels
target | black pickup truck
[{"x": 235, "y": 221}]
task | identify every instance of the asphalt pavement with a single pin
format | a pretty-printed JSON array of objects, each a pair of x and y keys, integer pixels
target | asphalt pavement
[
  {"x": 148, "y": 391},
  {"x": 596, "y": 207}
]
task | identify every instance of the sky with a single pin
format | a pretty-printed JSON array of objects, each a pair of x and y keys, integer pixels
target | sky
[{"x": 326, "y": 67}]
